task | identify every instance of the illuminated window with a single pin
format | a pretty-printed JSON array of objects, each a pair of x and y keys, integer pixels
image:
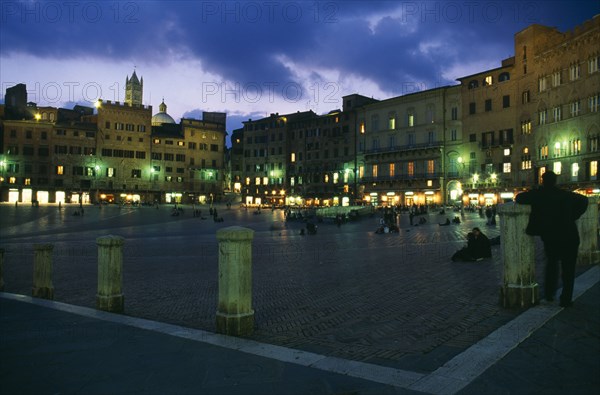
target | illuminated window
[
  {"x": 293, "y": 158},
  {"x": 411, "y": 169},
  {"x": 326, "y": 178},
  {"x": 576, "y": 147},
  {"x": 594, "y": 169},
  {"x": 257, "y": 181},
  {"x": 411, "y": 118},
  {"x": 557, "y": 167},
  {"x": 544, "y": 152},
  {"x": 525, "y": 159},
  {"x": 488, "y": 80},
  {"x": 361, "y": 171},
  {"x": 526, "y": 127},
  {"x": 506, "y": 151},
  {"x": 247, "y": 180},
  {"x": 430, "y": 166},
  {"x": 60, "y": 170},
  {"x": 336, "y": 177},
  {"x": 362, "y": 128},
  {"x": 506, "y": 167},
  {"x": 392, "y": 123},
  {"x": 392, "y": 169},
  {"x": 156, "y": 141},
  {"x": 375, "y": 168},
  {"x": 181, "y": 143},
  {"x": 12, "y": 180},
  {"x": 541, "y": 173},
  {"x": 557, "y": 149},
  {"x": 292, "y": 181},
  {"x": 265, "y": 181},
  {"x": 575, "y": 170},
  {"x": 110, "y": 172},
  {"x": 429, "y": 183},
  {"x": 28, "y": 181}
]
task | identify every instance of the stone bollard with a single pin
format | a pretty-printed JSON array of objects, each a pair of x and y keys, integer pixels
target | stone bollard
[
  {"x": 518, "y": 257},
  {"x": 42, "y": 271},
  {"x": 1, "y": 269},
  {"x": 110, "y": 274},
  {"x": 234, "y": 313},
  {"x": 587, "y": 225}
]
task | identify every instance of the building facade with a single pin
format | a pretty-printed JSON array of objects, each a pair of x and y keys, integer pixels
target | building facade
[
  {"x": 537, "y": 112},
  {"x": 476, "y": 143},
  {"x": 120, "y": 153},
  {"x": 409, "y": 148}
]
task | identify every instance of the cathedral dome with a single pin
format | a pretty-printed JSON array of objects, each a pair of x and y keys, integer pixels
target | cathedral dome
[{"x": 161, "y": 116}]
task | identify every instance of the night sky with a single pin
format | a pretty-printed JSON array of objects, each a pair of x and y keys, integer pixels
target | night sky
[{"x": 252, "y": 58}]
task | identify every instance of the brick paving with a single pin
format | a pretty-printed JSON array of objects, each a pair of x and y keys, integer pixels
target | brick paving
[{"x": 393, "y": 299}]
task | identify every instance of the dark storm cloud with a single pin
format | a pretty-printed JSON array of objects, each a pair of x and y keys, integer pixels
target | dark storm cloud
[{"x": 395, "y": 44}]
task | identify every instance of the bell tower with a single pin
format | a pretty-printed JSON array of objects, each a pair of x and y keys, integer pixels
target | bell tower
[{"x": 133, "y": 90}]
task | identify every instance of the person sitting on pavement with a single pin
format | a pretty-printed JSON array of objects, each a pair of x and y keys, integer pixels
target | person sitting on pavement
[
  {"x": 445, "y": 223},
  {"x": 478, "y": 247}
]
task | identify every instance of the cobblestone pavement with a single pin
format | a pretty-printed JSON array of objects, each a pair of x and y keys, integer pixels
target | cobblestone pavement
[{"x": 392, "y": 299}]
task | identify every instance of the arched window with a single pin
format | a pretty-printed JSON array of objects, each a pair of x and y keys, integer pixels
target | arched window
[
  {"x": 473, "y": 84},
  {"x": 504, "y": 77}
]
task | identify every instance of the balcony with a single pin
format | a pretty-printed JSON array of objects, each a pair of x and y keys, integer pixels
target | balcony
[
  {"x": 407, "y": 147},
  {"x": 402, "y": 177}
]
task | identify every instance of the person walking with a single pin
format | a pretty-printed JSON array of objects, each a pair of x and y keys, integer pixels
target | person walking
[{"x": 553, "y": 215}]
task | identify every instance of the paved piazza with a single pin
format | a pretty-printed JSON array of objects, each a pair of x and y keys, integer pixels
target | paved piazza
[{"x": 395, "y": 300}]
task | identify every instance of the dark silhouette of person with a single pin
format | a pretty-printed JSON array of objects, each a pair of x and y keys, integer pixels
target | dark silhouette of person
[
  {"x": 553, "y": 215},
  {"x": 445, "y": 223},
  {"x": 478, "y": 247}
]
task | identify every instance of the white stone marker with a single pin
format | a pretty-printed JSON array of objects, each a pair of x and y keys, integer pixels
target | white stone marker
[
  {"x": 235, "y": 315},
  {"x": 518, "y": 257},
  {"x": 42, "y": 271},
  {"x": 110, "y": 274},
  {"x": 587, "y": 225}
]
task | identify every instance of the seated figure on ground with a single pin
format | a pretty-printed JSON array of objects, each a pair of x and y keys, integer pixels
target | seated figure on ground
[{"x": 478, "y": 247}]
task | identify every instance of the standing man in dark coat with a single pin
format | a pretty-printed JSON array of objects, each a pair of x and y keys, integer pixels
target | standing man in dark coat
[{"x": 553, "y": 216}]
